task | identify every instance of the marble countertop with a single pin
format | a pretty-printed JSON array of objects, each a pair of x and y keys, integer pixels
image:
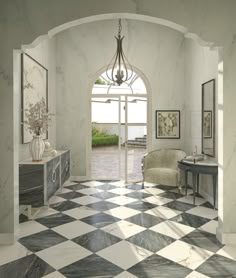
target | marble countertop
[
  {"x": 44, "y": 159},
  {"x": 204, "y": 162}
]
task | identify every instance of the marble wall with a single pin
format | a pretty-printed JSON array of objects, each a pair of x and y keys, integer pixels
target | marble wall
[
  {"x": 213, "y": 20},
  {"x": 201, "y": 65},
  {"x": 44, "y": 53},
  {"x": 155, "y": 50}
]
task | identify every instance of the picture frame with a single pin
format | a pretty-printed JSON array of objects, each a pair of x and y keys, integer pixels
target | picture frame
[
  {"x": 167, "y": 124},
  {"x": 34, "y": 87},
  {"x": 207, "y": 124}
]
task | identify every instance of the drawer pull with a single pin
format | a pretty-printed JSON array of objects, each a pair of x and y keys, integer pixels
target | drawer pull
[
  {"x": 54, "y": 176},
  {"x": 67, "y": 166}
]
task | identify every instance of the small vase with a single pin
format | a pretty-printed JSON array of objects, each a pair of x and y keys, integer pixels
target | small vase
[{"x": 36, "y": 148}]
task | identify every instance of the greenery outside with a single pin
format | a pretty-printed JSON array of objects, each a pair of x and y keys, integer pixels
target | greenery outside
[{"x": 101, "y": 138}]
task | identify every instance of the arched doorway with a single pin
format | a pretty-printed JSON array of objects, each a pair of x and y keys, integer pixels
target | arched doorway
[{"x": 119, "y": 123}]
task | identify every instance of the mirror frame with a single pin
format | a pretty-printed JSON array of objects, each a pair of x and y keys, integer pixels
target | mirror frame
[{"x": 213, "y": 116}]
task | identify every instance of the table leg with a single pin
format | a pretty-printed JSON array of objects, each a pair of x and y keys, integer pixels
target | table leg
[
  {"x": 186, "y": 181},
  {"x": 214, "y": 190},
  {"x": 194, "y": 185},
  {"x": 197, "y": 183}
]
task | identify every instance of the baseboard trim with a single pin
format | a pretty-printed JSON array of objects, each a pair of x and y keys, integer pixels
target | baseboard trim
[
  {"x": 225, "y": 238},
  {"x": 79, "y": 178},
  {"x": 7, "y": 238}
]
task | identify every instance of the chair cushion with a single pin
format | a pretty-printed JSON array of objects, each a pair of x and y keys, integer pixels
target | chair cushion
[{"x": 166, "y": 176}]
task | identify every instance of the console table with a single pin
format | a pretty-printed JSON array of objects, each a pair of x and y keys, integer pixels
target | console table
[
  {"x": 200, "y": 167},
  {"x": 38, "y": 181}
]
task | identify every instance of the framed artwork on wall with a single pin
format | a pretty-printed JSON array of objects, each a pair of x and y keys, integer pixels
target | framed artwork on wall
[
  {"x": 34, "y": 87},
  {"x": 167, "y": 124},
  {"x": 207, "y": 124}
]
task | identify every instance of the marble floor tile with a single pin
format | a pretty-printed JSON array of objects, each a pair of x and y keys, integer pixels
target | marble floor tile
[
  {"x": 123, "y": 229},
  {"x": 150, "y": 240},
  {"x": 134, "y": 186},
  {"x": 102, "y": 205},
  {"x": 152, "y": 191},
  {"x": 65, "y": 205},
  {"x": 171, "y": 195},
  {"x": 149, "y": 184},
  {"x": 69, "y": 183},
  {"x": 207, "y": 205},
  {"x": 196, "y": 274},
  {"x": 166, "y": 187},
  {"x": 172, "y": 229},
  {"x": 209, "y": 227},
  {"x": 85, "y": 200},
  {"x": 71, "y": 251},
  {"x": 104, "y": 195},
  {"x": 41, "y": 240},
  {"x": 72, "y": 194},
  {"x": 190, "y": 220},
  {"x": 100, "y": 268},
  {"x": 43, "y": 212},
  {"x": 55, "y": 199},
  {"x": 138, "y": 195},
  {"x": 55, "y": 220},
  {"x": 80, "y": 212},
  {"x": 185, "y": 254},
  {"x": 120, "y": 191},
  {"x": 131, "y": 254},
  {"x": 163, "y": 212},
  {"x": 73, "y": 229},
  {"x": 125, "y": 274},
  {"x": 29, "y": 266},
  {"x": 89, "y": 191},
  {"x": 54, "y": 274},
  {"x": 157, "y": 200},
  {"x": 204, "y": 212},
  {"x": 106, "y": 186},
  {"x": 13, "y": 252},
  {"x": 218, "y": 266},
  {"x": 92, "y": 183},
  {"x": 141, "y": 205},
  {"x": 30, "y": 227},
  {"x": 145, "y": 220},
  {"x": 179, "y": 206},
  {"x": 228, "y": 251},
  {"x": 100, "y": 220},
  {"x": 96, "y": 240},
  {"x": 76, "y": 187},
  {"x": 189, "y": 199},
  {"x": 122, "y": 200},
  {"x": 203, "y": 240},
  {"x": 157, "y": 266},
  {"x": 118, "y": 183},
  {"x": 63, "y": 191},
  {"x": 122, "y": 212}
]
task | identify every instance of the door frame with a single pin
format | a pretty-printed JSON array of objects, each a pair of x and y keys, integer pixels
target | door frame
[{"x": 148, "y": 124}]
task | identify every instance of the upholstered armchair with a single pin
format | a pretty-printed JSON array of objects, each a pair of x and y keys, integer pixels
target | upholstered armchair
[{"x": 160, "y": 167}]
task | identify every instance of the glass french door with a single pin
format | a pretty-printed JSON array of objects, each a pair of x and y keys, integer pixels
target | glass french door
[{"x": 126, "y": 118}]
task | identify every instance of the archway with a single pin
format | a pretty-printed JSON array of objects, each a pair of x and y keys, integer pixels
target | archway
[{"x": 118, "y": 16}]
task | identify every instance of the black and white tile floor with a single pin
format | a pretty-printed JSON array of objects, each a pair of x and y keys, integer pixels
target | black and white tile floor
[{"x": 109, "y": 229}]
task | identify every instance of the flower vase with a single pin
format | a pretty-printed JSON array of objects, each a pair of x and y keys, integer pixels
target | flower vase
[{"x": 36, "y": 148}]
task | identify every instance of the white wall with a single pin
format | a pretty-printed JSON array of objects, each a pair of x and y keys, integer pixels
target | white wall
[
  {"x": 44, "y": 53},
  {"x": 157, "y": 51},
  {"x": 201, "y": 65}
]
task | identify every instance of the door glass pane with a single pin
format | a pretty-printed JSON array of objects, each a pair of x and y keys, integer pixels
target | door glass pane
[{"x": 105, "y": 162}]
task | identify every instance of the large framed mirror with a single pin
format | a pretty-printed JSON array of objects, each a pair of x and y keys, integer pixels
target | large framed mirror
[{"x": 208, "y": 118}]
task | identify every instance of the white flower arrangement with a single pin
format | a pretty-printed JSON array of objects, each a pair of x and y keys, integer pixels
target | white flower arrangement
[{"x": 37, "y": 117}]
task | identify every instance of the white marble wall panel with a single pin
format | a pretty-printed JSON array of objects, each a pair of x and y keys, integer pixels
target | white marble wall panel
[{"x": 82, "y": 51}]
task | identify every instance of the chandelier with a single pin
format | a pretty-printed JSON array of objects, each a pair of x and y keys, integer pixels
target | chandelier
[{"x": 119, "y": 69}]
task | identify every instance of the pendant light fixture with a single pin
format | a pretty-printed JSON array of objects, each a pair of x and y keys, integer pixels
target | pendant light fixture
[{"x": 119, "y": 70}]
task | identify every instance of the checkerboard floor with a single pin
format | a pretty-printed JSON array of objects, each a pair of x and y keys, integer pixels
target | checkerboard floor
[{"x": 109, "y": 229}]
